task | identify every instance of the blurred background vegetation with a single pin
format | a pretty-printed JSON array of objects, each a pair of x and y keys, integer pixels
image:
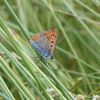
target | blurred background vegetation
[{"x": 76, "y": 63}]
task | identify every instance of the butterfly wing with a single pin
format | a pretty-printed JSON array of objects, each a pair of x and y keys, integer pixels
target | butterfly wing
[
  {"x": 34, "y": 44},
  {"x": 40, "y": 43},
  {"x": 44, "y": 43},
  {"x": 52, "y": 37}
]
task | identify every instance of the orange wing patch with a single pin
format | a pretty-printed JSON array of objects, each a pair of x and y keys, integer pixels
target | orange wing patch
[{"x": 52, "y": 37}]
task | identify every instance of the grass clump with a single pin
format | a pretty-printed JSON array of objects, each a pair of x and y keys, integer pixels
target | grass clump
[{"x": 74, "y": 71}]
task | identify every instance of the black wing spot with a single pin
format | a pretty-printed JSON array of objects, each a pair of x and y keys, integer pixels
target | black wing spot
[
  {"x": 52, "y": 41},
  {"x": 53, "y": 35}
]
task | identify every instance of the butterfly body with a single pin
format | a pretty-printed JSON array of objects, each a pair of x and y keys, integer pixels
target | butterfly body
[{"x": 44, "y": 43}]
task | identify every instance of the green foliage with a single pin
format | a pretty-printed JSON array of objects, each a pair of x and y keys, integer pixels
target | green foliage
[{"x": 75, "y": 67}]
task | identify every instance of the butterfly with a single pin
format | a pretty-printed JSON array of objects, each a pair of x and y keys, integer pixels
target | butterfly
[{"x": 44, "y": 43}]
